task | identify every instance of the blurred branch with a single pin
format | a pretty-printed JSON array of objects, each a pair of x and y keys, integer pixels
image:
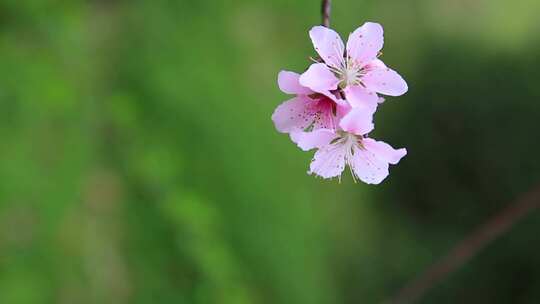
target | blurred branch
[
  {"x": 325, "y": 11},
  {"x": 469, "y": 247}
]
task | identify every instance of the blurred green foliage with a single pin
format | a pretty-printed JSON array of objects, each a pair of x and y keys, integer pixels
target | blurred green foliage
[{"x": 139, "y": 164}]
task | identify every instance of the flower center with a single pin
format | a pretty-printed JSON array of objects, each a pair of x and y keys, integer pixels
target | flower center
[{"x": 349, "y": 74}]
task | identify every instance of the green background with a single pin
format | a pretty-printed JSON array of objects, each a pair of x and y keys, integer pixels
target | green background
[{"x": 139, "y": 164}]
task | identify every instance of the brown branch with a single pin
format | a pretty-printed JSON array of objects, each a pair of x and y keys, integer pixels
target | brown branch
[
  {"x": 325, "y": 11},
  {"x": 469, "y": 247}
]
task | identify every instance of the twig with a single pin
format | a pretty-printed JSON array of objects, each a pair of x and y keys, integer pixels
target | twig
[
  {"x": 325, "y": 11},
  {"x": 469, "y": 247}
]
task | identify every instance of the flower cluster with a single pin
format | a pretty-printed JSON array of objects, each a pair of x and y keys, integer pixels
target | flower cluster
[{"x": 334, "y": 103}]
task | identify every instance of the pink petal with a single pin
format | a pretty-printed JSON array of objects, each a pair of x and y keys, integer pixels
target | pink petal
[
  {"x": 357, "y": 121},
  {"x": 329, "y": 161},
  {"x": 289, "y": 83},
  {"x": 305, "y": 112},
  {"x": 359, "y": 97},
  {"x": 385, "y": 81},
  {"x": 291, "y": 114},
  {"x": 375, "y": 63},
  {"x": 367, "y": 167},
  {"x": 328, "y": 44},
  {"x": 365, "y": 42},
  {"x": 342, "y": 109},
  {"x": 384, "y": 151},
  {"x": 315, "y": 139},
  {"x": 319, "y": 78}
]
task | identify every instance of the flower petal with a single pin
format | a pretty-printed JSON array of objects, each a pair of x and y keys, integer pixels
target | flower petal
[
  {"x": 328, "y": 44},
  {"x": 291, "y": 115},
  {"x": 289, "y": 83},
  {"x": 315, "y": 139},
  {"x": 367, "y": 167},
  {"x": 359, "y": 97},
  {"x": 329, "y": 161},
  {"x": 365, "y": 42},
  {"x": 385, "y": 81},
  {"x": 342, "y": 109},
  {"x": 384, "y": 151},
  {"x": 357, "y": 121},
  {"x": 319, "y": 78}
]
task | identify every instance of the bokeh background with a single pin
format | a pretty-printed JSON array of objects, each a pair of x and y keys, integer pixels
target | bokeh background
[{"x": 139, "y": 164}]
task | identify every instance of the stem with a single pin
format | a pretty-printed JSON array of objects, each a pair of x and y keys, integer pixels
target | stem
[
  {"x": 325, "y": 11},
  {"x": 469, "y": 247}
]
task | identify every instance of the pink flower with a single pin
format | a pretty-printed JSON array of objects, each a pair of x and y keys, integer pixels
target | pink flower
[
  {"x": 335, "y": 102},
  {"x": 307, "y": 110},
  {"x": 310, "y": 117},
  {"x": 354, "y": 69},
  {"x": 367, "y": 158}
]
